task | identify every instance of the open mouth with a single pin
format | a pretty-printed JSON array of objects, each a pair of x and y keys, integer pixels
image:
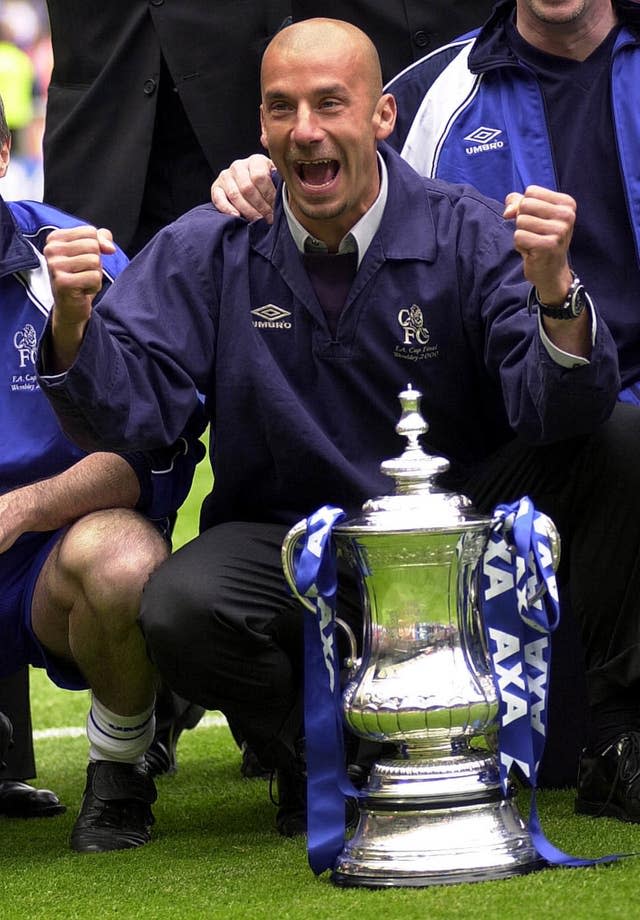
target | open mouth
[{"x": 317, "y": 173}]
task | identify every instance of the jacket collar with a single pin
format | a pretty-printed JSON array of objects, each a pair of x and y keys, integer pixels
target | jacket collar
[
  {"x": 491, "y": 48},
  {"x": 407, "y": 227},
  {"x": 15, "y": 253}
]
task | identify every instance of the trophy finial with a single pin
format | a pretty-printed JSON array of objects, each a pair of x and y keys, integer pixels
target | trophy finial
[
  {"x": 414, "y": 469},
  {"x": 411, "y": 424}
]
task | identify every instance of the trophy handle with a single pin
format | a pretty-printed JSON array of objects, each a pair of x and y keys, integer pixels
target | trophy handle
[
  {"x": 553, "y": 537},
  {"x": 289, "y": 545},
  {"x": 352, "y": 663}
]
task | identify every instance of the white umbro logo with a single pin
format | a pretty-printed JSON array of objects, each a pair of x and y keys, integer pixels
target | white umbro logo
[
  {"x": 271, "y": 317},
  {"x": 483, "y": 139},
  {"x": 483, "y": 135}
]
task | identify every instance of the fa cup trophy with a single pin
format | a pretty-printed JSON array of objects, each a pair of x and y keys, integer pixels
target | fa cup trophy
[{"x": 436, "y": 813}]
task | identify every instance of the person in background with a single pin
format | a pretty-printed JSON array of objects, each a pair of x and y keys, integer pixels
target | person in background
[
  {"x": 537, "y": 77},
  {"x": 17, "y": 84},
  {"x": 79, "y": 535},
  {"x": 297, "y": 334},
  {"x": 145, "y": 101},
  {"x": 18, "y": 798},
  {"x": 148, "y": 102},
  {"x": 137, "y": 123},
  {"x": 404, "y": 30}
]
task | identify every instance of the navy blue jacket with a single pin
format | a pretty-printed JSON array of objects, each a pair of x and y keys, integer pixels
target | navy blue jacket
[{"x": 301, "y": 418}]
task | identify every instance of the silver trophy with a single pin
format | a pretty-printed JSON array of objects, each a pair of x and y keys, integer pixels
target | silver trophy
[{"x": 436, "y": 812}]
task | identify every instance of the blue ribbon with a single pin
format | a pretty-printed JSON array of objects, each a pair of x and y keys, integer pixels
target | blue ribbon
[
  {"x": 520, "y": 611},
  {"x": 327, "y": 781},
  {"x": 630, "y": 394}
]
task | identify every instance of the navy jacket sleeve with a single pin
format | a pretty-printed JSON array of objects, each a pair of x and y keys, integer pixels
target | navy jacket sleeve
[
  {"x": 166, "y": 474},
  {"x": 148, "y": 349}
]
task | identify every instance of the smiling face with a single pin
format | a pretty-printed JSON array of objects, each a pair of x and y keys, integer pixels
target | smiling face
[
  {"x": 322, "y": 113},
  {"x": 569, "y": 28}
]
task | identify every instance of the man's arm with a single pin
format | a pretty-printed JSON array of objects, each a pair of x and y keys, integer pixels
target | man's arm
[
  {"x": 162, "y": 476},
  {"x": 98, "y": 481},
  {"x": 544, "y": 222}
]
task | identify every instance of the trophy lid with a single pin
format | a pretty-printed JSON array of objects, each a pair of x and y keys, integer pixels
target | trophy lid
[{"x": 417, "y": 502}]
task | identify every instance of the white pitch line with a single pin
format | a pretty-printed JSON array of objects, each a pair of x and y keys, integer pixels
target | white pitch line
[{"x": 215, "y": 720}]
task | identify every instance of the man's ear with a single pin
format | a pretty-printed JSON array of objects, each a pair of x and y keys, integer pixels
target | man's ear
[
  {"x": 5, "y": 156},
  {"x": 263, "y": 132},
  {"x": 384, "y": 116}
]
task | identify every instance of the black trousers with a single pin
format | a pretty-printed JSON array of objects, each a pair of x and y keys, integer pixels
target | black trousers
[
  {"x": 224, "y": 631},
  {"x": 14, "y": 703}
]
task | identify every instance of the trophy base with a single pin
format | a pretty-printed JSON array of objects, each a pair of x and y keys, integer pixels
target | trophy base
[
  {"x": 440, "y": 822},
  {"x": 344, "y": 880}
]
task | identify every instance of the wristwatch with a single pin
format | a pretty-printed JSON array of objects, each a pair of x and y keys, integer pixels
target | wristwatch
[{"x": 574, "y": 303}]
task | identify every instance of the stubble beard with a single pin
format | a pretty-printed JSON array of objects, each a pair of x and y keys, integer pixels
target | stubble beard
[{"x": 540, "y": 10}]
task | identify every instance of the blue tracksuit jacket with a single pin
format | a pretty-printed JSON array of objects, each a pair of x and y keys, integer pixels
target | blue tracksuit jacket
[
  {"x": 33, "y": 445},
  {"x": 481, "y": 86}
]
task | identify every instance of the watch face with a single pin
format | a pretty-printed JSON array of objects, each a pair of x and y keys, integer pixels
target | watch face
[{"x": 578, "y": 301}]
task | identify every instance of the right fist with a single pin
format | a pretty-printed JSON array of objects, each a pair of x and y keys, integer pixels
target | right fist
[{"x": 75, "y": 268}]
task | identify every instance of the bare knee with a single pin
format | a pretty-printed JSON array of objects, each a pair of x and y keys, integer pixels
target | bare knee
[{"x": 108, "y": 557}]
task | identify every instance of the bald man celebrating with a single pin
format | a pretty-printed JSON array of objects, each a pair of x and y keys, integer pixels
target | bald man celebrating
[{"x": 301, "y": 334}]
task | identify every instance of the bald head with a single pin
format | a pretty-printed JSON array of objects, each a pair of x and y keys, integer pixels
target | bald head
[
  {"x": 326, "y": 39},
  {"x": 322, "y": 115}
]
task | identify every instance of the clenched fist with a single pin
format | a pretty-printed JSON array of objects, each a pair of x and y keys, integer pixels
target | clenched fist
[
  {"x": 75, "y": 268},
  {"x": 544, "y": 226}
]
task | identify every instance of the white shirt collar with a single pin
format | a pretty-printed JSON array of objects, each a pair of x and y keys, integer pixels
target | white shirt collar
[{"x": 358, "y": 238}]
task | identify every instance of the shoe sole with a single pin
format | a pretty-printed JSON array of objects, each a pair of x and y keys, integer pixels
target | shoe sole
[
  {"x": 101, "y": 848},
  {"x": 50, "y": 812},
  {"x": 100, "y": 840}
]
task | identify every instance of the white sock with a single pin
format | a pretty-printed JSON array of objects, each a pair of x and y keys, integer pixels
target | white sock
[{"x": 115, "y": 737}]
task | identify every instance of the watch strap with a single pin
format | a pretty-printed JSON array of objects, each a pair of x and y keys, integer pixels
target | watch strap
[{"x": 565, "y": 311}]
